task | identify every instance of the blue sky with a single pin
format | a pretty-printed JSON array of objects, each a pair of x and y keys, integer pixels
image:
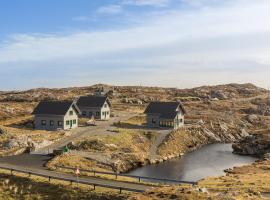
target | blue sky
[{"x": 172, "y": 43}]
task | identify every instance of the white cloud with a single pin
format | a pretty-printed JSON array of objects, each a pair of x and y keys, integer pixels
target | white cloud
[
  {"x": 110, "y": 10},
  {"x": 209, "y": 45},
  {"x": 157, "y": 3}
]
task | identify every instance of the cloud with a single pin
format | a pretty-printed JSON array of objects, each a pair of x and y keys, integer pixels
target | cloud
[
  {"x": 156, "y": 3},
  {"x": 110, "y": 10},
  {"x": 176, "y": 48}
]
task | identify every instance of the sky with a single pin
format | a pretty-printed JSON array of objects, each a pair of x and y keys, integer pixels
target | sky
[{"x": 170, "y": 43}]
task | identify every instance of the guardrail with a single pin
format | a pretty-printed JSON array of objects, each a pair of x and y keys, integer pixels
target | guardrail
[
  {"x": 140, "y": 178},
  {"x": 50, "y": 177}
]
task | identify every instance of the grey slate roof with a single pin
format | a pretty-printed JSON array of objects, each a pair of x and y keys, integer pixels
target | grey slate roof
[
  {"x": 53, "y": 107},
  {"x": 166, "y": 110},
  {"x": 92, "y": 101}
]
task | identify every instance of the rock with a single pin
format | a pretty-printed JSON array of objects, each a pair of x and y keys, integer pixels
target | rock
[
  {"x": 244, "y": 133},
  {"x": 266, "y": 156},
  {"x": 252, "y": 145},
  {"x": 3, "y": 131},
  {"x": 219, "y": 95},
  {"x": 212, "y": 137},
  {"x": 252, "y": 118},
  {"x": 12, "y": 144}
]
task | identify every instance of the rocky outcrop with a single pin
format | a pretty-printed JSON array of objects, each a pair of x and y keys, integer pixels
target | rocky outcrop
[
  {"x": 26, "y": 143},
  {"x": 256, "y": 145}
]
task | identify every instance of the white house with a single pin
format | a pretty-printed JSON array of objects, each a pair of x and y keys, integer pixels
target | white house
[{"x": 54, "y": 115}]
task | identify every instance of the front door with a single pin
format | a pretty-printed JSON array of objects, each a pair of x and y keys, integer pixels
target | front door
[{"x": 70, "y": 122}]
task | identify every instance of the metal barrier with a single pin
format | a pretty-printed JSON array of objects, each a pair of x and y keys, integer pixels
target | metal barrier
[
  {"x": 132, "y": 176},
  {"x": 50, "y": 177}
]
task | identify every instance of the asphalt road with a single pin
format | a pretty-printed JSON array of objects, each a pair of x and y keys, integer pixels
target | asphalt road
[{"x": 35, "y": 164}]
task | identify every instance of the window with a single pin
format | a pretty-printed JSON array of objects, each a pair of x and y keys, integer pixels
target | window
[
  {"x": 105, "y": 105},
  {"x": 108, "y": 112},
  {"x": 103, "y": 113},
  {"x": 60, "y": 123},
  {"x": 153, "y": 121},
  {"x": 181, "y": 120},
  {"x": 43, "y": 122},
  {"x": 51, "y": 123},
  {"x": 74, "y": 121},
  {"x": 90, "y": 114},
  {"x": 71, "y": 112},
  {"x": 97, "y": 113},
  {"x": 67, "y": 123},
  {"x": 84, "y": 113}
]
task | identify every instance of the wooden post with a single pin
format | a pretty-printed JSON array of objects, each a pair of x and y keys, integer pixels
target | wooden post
[
  {"x": 120, "y": 190},
  {"x": 94, "y": 187},
  {"x": 29, "y": 174},
  {"x": 139, "y": 179},
  {"x": 49, "y": 178}
]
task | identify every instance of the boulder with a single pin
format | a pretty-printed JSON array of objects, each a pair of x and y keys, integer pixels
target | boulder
[{"x": 252, "y": 118}]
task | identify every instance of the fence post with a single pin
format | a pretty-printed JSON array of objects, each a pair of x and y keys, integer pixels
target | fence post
[
  {"x": 11, "y": 171},
  {"x": 116, "y": 175},
  {"x": 94, "y": 187},
  {"x": 139, "y": 179},
  {"x": 120, "y": 190},
  {"x": 94, "y": 173},
  {"x": 49, "y": 178},
  {"x": 29, "y": 174}
]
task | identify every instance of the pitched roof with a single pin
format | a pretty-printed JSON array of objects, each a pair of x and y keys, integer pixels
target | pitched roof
[
  {"x": 53, "y": 107},
  {"x": 166, "y": 110},
  {"x": 92, "y": 101}
]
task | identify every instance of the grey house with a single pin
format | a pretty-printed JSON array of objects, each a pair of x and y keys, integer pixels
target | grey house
[
  {"x": 165, "y": 114},
  {"x": 55, "y": 115},
  {"x": 97, "y": 107}
]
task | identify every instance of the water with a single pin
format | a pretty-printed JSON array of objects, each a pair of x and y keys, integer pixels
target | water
[{"x": 210, "y": 160}]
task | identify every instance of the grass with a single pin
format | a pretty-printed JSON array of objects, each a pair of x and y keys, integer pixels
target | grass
[
  {"x": 28, "y": 188},
  {"x": 255, "y": 177}
]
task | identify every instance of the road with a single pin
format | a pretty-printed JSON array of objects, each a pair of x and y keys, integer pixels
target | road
[
  {"x": 101, "y": 128},
  {"x": 35, "y": 164}
]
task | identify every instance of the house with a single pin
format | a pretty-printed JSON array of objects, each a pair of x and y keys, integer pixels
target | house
[
  {"x": 165, "y": 114},
  {"x": 97, "y": 107},
  {"x": 54, "y": 115},
  {"x": 104, "y": 91}
]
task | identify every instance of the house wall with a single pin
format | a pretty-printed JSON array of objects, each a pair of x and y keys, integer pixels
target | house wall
[
  {"x": 52, "y": 121},
  {"x": 153, "y": 121},
  {"x": 102, "y": 113},
  {"x": 71, "y": 120},
  {"x": 161, "y": 122},
  {"x": 48, "y": 118},
  {"x": 179, "y": 120}
]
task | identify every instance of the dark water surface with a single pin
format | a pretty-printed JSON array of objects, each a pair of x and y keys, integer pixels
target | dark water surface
[{"x": 210, "y": 160}]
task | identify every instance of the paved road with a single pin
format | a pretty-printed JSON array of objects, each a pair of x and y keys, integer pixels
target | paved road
[
  {"x": 35, "y": 164},
  {"x": 101, "y": 128}
]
